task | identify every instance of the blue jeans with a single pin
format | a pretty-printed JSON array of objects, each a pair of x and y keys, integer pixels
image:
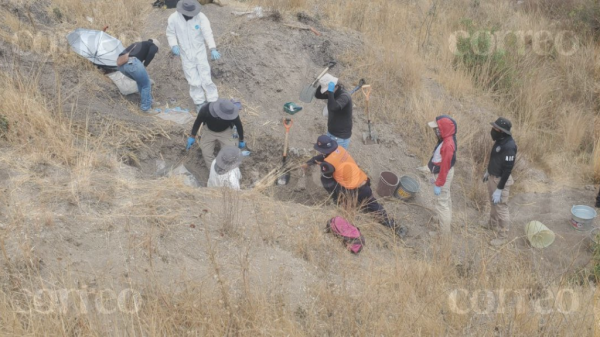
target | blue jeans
[
  {"x": 341, "y": 142},
  {"x": 135, "y": 70}
]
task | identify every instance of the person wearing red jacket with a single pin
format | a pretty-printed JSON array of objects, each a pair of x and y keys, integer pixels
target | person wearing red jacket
[{"x": 441, "y": 165}]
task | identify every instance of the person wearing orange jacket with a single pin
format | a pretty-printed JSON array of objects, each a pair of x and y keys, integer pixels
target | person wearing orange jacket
[
  {"x": 441, "y": 165},
  {"x": 341, "y": 175}
]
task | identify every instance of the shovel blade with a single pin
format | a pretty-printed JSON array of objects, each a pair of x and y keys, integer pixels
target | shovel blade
[
  {"x": 308, "y": 93},
  {"x": 370, "y": 139}
]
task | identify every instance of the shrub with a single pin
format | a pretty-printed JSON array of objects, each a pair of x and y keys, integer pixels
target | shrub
[{"x": 490, "y": 67}]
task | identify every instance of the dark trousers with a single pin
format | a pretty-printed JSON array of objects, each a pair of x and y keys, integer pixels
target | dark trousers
[
  {"x": 598, "y": 199},
  {"x": 363, "y": 195}
]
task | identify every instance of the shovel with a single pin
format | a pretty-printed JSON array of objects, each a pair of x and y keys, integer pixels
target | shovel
[
  {"x": 369, "y": 138},
  {"x": 308, "y": 92},
  {"x": 284, "y": 178}
]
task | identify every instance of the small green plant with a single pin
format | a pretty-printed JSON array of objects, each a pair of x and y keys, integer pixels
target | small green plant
[
  {"x": 477, "y": 52},
  {"x": 58, "y": 14},
  {"x": 3, "y": 126}
]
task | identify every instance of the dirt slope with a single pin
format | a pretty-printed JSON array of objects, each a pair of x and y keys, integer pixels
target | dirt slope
[{"x": 168, "y": 232}]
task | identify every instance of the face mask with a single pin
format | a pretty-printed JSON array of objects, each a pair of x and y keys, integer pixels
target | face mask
[
  {"x": 438, "y": 133},
  {"x": 187, "y": 18},
  {"x": 496, "y": 135}
]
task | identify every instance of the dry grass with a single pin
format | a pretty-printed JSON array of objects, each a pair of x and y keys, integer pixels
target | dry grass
[{"x": 391, "y": 290}]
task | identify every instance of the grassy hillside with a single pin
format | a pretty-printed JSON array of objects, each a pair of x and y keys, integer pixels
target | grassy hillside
[{"x": 195, "y": 262}]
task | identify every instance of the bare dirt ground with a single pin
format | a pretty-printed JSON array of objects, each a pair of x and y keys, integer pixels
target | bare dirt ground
[{"x": 264, "y": 64}]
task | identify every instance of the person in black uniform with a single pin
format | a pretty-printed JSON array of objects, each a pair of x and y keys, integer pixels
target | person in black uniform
[
  {"x": 132, "y": 62},
  {"x": 598, "y": 200},
  {"x": 499, "y": 180}
]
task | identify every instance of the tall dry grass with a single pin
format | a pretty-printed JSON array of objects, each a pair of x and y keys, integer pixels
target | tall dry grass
[{"x": 391, "y": 290}]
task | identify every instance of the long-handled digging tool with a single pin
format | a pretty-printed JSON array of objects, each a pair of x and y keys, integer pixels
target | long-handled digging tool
[
  {"x": 308, "y": 92},
  {"x": 361, "y": 83},
  {"x": 369, "y": 138},
  {"x": 284, "y": 177}
]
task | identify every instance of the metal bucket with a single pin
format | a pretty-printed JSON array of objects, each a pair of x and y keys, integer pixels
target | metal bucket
[
  {"x": 407, "y": 188},
  {"x": 582, "y": 217},
  {"x": 387, "y": 184}
]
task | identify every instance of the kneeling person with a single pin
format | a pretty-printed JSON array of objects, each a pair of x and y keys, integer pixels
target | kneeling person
[
  {"x": 348, "y": 179},
  {"x": 224, "y": 170}
]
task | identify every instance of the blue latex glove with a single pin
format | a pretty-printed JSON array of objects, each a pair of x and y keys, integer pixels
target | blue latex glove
[
  {"x": 246, "y": 153},
  {"x": 190, "y": 142},
  {"x": 215, "y": 54},
  {"x": 175, "y": 50},
  {"x": 497, "y": 196},
  {"x": 331, "y": 87},
  {"x": 242, "y": 144},
  {"x": 437, "y": 190}
]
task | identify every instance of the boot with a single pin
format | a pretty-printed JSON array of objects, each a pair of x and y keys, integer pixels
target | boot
[{"x": 500, "y": 240}]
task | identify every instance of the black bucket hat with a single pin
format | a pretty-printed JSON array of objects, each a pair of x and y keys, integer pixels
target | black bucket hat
[
  {"x": 325, "y": 144},
  {"x": 503, "y": 125}
]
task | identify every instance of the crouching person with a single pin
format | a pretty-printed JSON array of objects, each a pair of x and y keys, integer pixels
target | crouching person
[
  {"x": 224, "y": 170},
  {"x": 341, "y": 176}
]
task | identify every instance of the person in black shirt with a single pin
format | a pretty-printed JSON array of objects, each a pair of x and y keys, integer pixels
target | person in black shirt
[
  {"x": 499, "y": 179},
  {"x": 132, "y": 62},
  {"x": 339, "y": 105},
  {"x": 218, "y": 117}
]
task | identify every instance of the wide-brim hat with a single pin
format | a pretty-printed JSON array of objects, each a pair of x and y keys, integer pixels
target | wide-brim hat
[
  {"x": 189, "y": 7},
  {"x": 229, "y": 158},
  {"x": 503, "y": 125},
  {"x": 224, "y": 109},
  {"x": 324, "y": 82},
  {"x": 325, "y": 144}
]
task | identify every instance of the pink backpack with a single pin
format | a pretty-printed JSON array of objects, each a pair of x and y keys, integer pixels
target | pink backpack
[{"x": 350, "y": 235}]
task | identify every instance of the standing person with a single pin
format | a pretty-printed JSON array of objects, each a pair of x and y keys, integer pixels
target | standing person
[
  {"x": 499, "y": 179},
  {"x": 339, "y": 105},
  {"x": 218, "y": 117},
  {"x": 224, "y": 170},
  {"x": 341, "y": 175},
  {"x": 132, "y": 62},
  {"x": 441, "y": 165},
  {"x": 187, "y": 31}
]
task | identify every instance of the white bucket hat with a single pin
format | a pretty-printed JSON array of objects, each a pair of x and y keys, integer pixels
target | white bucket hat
[{"x": 324, "y": 82}]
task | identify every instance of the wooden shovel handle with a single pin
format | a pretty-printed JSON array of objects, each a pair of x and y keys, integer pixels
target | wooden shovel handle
[
  {"x": 287, "y": 123},
  {"x": 366, "y": 90}
]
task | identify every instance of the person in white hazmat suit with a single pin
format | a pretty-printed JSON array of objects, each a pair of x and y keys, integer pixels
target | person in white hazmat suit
[{"x": 187, "y": 31}]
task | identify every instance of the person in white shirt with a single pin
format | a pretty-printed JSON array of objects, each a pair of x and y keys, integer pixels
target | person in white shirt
[
  {"x": 224, "y": 170},
  {"x": 189, "y": 34}
]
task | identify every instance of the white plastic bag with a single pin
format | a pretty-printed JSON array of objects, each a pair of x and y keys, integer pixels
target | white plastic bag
[{"x": 126, "y": 85}]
